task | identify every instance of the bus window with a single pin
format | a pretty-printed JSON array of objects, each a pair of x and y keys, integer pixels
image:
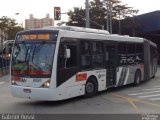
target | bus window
[
  {"x": 122, "y": 54},
  {"x": 61, "y": 60},
  {"x": 97, "y": 54},
  {"x": 139, "y": 53},
  {"x": 130, "y": 48},
  {"x": 70, "y": 62},
  {"x": 122, "y": 48},
  {"x": 139, "y": 48},
  {"x": 131, "y": 53},
  {"x": 85, "y": 54}
]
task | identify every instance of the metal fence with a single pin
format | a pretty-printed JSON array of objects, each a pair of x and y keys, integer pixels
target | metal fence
[{"x": 4, "y": 66}]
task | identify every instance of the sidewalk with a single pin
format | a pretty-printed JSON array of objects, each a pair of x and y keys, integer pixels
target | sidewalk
[{"x": 5, "y": 78}]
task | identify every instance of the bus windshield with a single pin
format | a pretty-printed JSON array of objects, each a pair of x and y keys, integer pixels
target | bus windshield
[{"x": 33, "y": 59}]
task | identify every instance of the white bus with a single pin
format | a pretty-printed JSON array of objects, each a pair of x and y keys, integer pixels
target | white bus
[{"x": 64, "y": 62}]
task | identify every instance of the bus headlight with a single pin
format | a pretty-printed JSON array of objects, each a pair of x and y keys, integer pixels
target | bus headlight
[
  {"x": 46, "y": 84},
  {"x": 14, "y": 79},
  {"x": 13, "y": 82}
]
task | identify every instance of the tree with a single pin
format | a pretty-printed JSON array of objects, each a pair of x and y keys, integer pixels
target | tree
[
  {"x": 10, "y": 26},
  {"x": 97, "y": 13},
  {"x": 12, "y": 32},
  {"x": 100, "y": 11},
  {"x": 76, "y": 17}
]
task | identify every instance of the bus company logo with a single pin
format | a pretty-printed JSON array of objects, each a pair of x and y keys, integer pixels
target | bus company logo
[
  {"x": 81, "y": 77},
  {"x": 129, "y": 59},
  {"x": 101, "y": 76}
]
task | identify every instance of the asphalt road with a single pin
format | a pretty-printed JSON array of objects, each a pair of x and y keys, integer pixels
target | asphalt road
[{"x": 144, "y": 98}]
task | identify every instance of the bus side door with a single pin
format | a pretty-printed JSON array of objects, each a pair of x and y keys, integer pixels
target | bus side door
[{"x": 110, "y": 62}]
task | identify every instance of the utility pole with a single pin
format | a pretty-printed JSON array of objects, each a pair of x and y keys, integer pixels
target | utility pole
[
  {"x": 87, "y": 14},
  {"x": 133, "y": 12},
  {"x": 109, "y": 17}
]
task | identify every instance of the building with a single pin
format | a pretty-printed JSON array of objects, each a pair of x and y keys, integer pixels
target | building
[
  {"x": 150, "y": 22},
  {"x": 33, "y": 23},
  {"x": 150, "y": 28}
]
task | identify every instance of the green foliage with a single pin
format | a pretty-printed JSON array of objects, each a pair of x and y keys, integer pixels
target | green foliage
[
  {"x": 12, "y": 32},
  {"x": 99, "y": 13},
  {"x": 76, "y": 17},
  {"x": 10, "y": 26}
]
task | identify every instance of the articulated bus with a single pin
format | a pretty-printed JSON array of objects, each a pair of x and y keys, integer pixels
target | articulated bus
[{"x": 58, "y": 63}]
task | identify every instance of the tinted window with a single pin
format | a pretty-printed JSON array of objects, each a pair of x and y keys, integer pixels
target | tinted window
[
  {"x": 72, "y": 61},
  {"x": 97, "y": 54},
  {"x": 69, "y": 62},
  {"x": 131, "y": 48},
  {"x": 33, "y": 59},
  {"x": 97, "y": 47},
  {"x": 122, "y": 54},
  {"x": 85, "y": 54},
  {"x": 139, "y": 48},
  {"x": 122, "y": 48}
]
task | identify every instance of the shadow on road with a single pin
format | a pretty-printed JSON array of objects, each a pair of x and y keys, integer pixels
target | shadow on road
[{"x": 51, "y": 103}]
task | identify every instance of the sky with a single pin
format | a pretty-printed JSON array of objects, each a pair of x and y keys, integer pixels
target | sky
[{"x": 39, "y": 8}]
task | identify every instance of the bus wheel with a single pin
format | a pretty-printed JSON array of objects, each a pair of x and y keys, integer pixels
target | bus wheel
[
  {"x": 137, "y": 78},
  {"x": 91, "y": 87}
]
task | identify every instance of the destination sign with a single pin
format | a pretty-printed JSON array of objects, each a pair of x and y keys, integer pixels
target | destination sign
[{"x": 35, "y": 37}]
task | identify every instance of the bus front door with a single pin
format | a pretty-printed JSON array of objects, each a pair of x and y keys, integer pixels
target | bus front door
[{"x": 110, "y": 66}]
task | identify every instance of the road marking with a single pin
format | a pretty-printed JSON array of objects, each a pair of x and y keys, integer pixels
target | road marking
[
  {"x": 1, "y": 83},
  {"x": 145, "y": 96},
  {"x": 153, "y": 99},
  {"x": 136, "y": 100},
  {"x": 142, "y": 89},
  {"x": 130, "y": 100},
  {"x": 152, "y": 89},
  {"x": 157, "y": 86},
  {"x": 143, "y": 93}
]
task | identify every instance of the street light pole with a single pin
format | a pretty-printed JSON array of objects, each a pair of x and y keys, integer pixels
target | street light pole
[
  {"x": 21, "y": 24},
  {"x": 107, "y": 16},
  {"x": 87, "y": 14}
]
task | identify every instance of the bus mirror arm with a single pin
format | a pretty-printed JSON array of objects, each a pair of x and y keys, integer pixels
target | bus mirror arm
[{"x": 67, "y": 54}]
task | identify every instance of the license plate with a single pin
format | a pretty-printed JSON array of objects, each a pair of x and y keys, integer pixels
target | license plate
[{"x": 27, "y": 90}]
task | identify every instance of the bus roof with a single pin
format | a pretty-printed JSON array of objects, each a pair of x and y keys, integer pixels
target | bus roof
[
  {"x": 102, "y": 33},
  {"x": 94, "y": 33},
  {"x": 79, "y": 29}
]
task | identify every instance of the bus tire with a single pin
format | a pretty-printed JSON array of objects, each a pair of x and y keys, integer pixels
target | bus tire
[
  {"x": 91, "y": 87},
  {"x": 137, "y": 78}
]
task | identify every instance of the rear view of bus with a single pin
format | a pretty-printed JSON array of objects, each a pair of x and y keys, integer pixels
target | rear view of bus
[{"x": 32, "y": 63}]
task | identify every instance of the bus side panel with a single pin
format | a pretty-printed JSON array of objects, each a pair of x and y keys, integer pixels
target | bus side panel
[
  {"x": 153, "y": 60},
  {"x": 126, "y": 74},
  {"x": 75, "y": 86},
  {"x": 146, "y": 60}
]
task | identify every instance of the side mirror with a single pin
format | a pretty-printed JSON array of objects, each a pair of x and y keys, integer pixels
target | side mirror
[{"x": 67, "y": 53}]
